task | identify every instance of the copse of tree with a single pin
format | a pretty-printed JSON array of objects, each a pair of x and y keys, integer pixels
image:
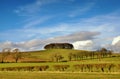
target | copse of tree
[{"x": 59, "y": 46}]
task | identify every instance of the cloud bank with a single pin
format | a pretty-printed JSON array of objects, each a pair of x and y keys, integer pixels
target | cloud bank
[{"x": 37, "y": 44}]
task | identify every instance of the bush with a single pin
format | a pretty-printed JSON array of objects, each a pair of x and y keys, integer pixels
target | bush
[
  {"x": 79, "y": 66},
  {"x": 41, "y": 68},
  {"x": 26, "y": 68},
  {"x": 97, "y": 67},
  {"x": 60, "y": 67}
]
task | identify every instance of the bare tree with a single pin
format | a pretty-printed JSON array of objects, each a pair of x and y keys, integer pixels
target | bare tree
[
  {"x": 70, "y": 55},
  {"x": 4, "y": 54},
  {"x": 57, "y": 57},
  {"x": 17, "y": 54},
  {"x": 99, "y": 55},
  {"x": 110, "y": 53}
]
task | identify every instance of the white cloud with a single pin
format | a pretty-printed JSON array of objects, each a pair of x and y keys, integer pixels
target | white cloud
[
  {"x": 107, "y": 25},
  {"x": 116, "y": 40},
  {"x": 115, "y": 44},
  {"x": 84, "y": 35},
  {"x": 6, "y": 44},
  {"x": 86, "y": 44},
  {"x": 36, "y": 22},
  {"x": 33, "y": 32}
]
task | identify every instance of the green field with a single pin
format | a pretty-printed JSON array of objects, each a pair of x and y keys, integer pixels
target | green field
[
  {"x": 51, "y": 73},
  {"x": 57, "y": 75},
  {"x": 114, "y": 60},
  {"x": 45, "y": 55}
]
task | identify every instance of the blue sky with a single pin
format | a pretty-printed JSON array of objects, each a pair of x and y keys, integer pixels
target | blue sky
[{"x": 37, "y": 22}]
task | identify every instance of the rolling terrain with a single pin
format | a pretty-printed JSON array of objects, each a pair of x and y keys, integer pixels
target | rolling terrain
[{"x": 39, "y": 64}]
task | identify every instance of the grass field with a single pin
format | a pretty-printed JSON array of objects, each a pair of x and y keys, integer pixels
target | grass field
[
  {"x": 114, "y": 60},
  {"x": 70, "y": 73},
  {"x": 57, "y": 75},
  {"x": 45, "y": 55}
]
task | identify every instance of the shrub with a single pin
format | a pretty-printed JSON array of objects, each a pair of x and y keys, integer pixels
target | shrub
[
  {"x": 41, "y": 68},
  {"x": 60, "y": 67},
  {"x": 79, "y": 66},
  {"x": 89, "y": 67},
  {"x": 26, "y": 68},
  {"x": 110, "y": 67}
]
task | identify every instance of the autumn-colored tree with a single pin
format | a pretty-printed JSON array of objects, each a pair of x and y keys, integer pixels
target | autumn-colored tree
[
  {"x": 4, "y": 54},
  {"x": 17, "y": 54}
]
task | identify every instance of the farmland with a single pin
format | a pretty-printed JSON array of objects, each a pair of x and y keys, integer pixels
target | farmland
[
  {"x": 38, "y": 63},
  {"x": 106, "y": 61}
]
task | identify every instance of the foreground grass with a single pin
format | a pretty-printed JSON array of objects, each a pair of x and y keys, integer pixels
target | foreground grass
[{"x": 58, "y": 75}]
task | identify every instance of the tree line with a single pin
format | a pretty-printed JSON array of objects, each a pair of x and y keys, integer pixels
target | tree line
[
  {"x": 99, "y": 54},
  {"x": 83, "y": 55}
]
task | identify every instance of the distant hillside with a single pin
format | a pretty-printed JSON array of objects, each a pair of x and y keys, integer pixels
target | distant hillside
[
  {"x": 57, "y": 55},
  {"x": 43, "y": 55}
]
